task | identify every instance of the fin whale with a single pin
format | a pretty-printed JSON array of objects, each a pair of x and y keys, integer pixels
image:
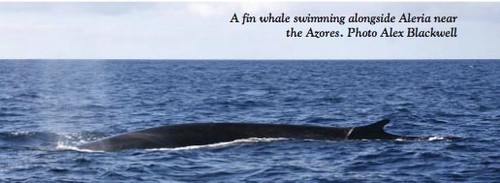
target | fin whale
[{"x": 181, "y": 135}]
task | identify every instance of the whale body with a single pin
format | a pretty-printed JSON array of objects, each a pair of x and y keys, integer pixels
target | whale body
[{"x": 181, "y": 135}]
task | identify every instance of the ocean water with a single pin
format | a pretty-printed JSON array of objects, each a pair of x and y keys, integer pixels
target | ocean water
[{"x": 48, "y": 107}]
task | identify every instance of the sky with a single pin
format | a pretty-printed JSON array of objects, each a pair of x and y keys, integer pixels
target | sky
[{"x": 202, "y": 30}]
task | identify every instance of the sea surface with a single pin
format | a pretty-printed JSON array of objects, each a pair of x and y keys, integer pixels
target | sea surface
[{"x": 47, "y": 107}]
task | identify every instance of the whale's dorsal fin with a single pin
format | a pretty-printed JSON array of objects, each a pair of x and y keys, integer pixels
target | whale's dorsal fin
[
  {"x": 377, "y": 125},
  {"x": 372, "y": 131}
]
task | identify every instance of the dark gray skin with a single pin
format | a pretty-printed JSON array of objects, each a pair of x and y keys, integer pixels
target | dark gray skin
[{"x": 182, "y": 135}]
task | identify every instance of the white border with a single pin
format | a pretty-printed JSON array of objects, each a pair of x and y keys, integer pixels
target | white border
[{"x": 261, "y": 1}]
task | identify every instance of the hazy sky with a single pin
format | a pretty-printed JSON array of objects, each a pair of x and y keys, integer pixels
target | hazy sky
[{"x": 193, "y": 30}]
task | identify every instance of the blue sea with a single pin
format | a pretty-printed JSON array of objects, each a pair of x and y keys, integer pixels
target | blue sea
[{"x": 47, "y": 107}]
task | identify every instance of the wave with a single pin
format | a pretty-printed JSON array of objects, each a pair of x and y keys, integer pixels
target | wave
[
  {"x": 247, "y": 141},
  {"x": 70, "y": 141},
  {"x": 432, "y": 138}
]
